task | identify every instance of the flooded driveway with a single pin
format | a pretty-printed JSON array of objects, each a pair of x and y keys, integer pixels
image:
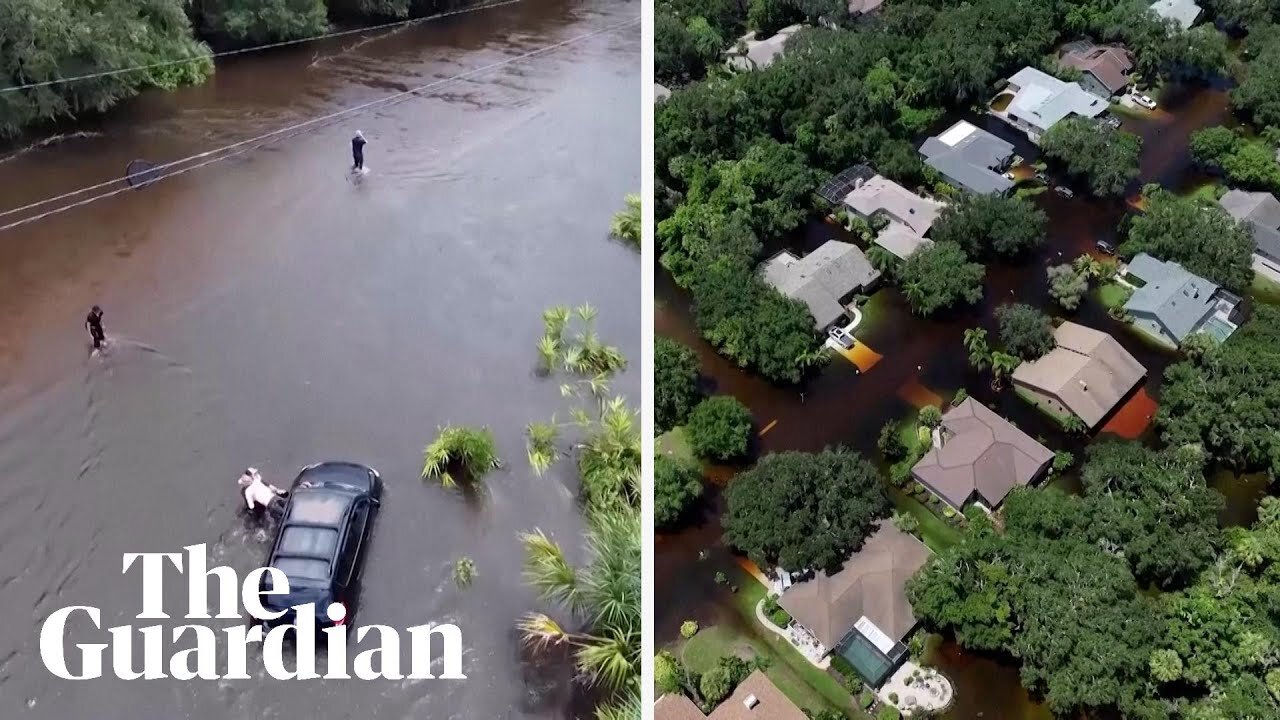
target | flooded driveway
[
  {"x": 924, "y": 361},
  {"x": 268, "y": 311}
]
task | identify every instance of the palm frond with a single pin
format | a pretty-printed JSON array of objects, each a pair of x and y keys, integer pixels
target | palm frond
[
  {"x": 547, "y": 570},
  {"x": 541, "y": 446}
]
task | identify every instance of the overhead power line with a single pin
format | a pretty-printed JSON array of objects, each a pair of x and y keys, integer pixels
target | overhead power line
[
  {"x": 255, "y": 48},
  {"x": 210, "y": 157}
]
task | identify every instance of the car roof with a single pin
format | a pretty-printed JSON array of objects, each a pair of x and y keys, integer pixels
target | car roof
[{"x": 318, "y": 506}]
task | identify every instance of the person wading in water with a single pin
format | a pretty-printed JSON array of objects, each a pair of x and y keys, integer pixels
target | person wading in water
[
  {"x": 93, "y": 324},
  {"x": 357, "y": 152}
]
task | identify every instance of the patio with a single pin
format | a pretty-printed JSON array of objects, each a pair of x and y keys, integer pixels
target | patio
[{"x": 917, "y": 689}]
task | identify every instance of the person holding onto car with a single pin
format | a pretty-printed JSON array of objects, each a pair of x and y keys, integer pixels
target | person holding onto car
[{"x": 258, "y": 494}]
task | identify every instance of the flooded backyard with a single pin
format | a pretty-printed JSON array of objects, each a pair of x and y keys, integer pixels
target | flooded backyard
[
  {"x": 923, "y": 361},
  {"x": 268, "y": 311}
]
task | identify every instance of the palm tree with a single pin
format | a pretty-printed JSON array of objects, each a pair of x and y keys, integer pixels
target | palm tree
[
  {"x": 975, "y": 341},
  {"x": 1073, "y": 424},
  {"x": 469, "y": 450},
  {"x": 602, "y": 597},
  {"x": 1002, "y": 364},
  {"x": 627, "y": 222}
]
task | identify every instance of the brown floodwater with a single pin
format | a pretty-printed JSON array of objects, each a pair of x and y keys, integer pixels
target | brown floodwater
[
  {"x": 924, "y": 360},
  {"x": 269, "y": 311}
]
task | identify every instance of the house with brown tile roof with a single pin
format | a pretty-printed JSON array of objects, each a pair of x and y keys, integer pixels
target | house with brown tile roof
[
  {"x": 978, "y": 456},
  {"x": 1087, "y": 374},
  {"x": 756, "y": 698},
  {"x": 862, "y": 611},
  {"x": 1105, "y": 68}
]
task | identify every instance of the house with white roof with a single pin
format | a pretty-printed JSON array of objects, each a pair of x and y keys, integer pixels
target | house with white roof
[
  {"x": 753, "y": 54},
  {"x": 1040, "y": 101},
  {"x": 1183, "y": 12}
]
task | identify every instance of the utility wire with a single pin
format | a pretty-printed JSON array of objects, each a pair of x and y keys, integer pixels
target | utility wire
[
  {"x": 218, "y": 154},
  {"x": 256, "y": 48}
]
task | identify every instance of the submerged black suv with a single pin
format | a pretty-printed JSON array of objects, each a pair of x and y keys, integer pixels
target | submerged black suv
[{"x": 321, "y": 542}]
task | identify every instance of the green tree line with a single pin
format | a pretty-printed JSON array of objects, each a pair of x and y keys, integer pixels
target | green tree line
[{"x": 46, "y": 40}]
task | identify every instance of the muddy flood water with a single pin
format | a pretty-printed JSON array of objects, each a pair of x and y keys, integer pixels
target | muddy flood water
[
  {"x": 924, "y": 361},
  {"x": 270, "y": 311}
]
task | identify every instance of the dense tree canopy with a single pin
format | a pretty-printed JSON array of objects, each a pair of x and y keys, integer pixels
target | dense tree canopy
[
  {"x": 1219, "y": 402},
  {"x": 1258, "y": 94},
  {"x": 1024, "y": 330},
  {"x": 675, "y": 383},
  {"x": 987, "y": 225},
  {"x": 804, "y": 511},
  {"x": 719, "y": 428},
  {"x": 676, "y": 486},
  {"x": 1246, "y": 162},
  {"x": 940, "y": 276},
  {"x": 753, "y": 324},
  {"x": 697, "y": 236},
  {"x": 1067, "y": 285},
  {"x": 1105, "y": 156},
  {"x": 1067, "y": 608},
  {"x": 1201, "y": 237},
  {"x": 44, "y": 40}
]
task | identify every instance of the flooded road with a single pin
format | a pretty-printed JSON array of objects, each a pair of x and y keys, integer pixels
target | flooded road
[
  {"x": 924, "y": 361},
  {"x": 269, "y": 311}
]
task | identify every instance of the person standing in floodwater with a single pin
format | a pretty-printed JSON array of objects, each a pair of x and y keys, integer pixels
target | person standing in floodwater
[
  {"x": 357, "y": 152},
  {"x": 93, "y": 323}
]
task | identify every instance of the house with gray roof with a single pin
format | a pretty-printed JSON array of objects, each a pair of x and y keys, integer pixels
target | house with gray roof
[
  {"x": 1104, "y": 69},
  {"x": 1183, "y": 12},
  {"x": 1040, "y": 101},
  {"x": 1169, "y": 303},
  {"x": 824, "y": 280},
  {"x": 1087, "y": 374},
  {"x": 753, "y": 54},
  {"x": 861, "y": 612},
  {"x": 979, "y": 457},
  {"x": 1260, "y": 212},
  {"x": 970, "y": 158},
  {"x": 909, "y": 216}
]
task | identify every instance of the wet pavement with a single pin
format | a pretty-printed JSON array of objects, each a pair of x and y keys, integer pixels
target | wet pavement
[
  {"x": 270, "y": 311},
  {"x": 923, "y": 361}
]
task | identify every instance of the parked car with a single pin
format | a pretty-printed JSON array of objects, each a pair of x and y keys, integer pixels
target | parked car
[
  {"x": 1064, "y": 191},
  {"x": 323, "y": 539},
  {"x": 842, "y": 337},
  {"x": 1105, "y": 247},
  {"x": 1145, "y": 101},
  {"x": 1111, "y": 121}
]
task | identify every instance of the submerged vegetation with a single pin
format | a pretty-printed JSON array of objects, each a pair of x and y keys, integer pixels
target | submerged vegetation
[
  {"x": 626, "y": 223},
  {"x": 460, "y": 454}
]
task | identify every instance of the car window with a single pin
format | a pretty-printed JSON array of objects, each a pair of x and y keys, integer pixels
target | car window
[
  {"x": 359, "y": 518},
  {"x": 313, "y": 542},
  {"x": 301, "y": 569},
  {"x": 318, "y": 507}
]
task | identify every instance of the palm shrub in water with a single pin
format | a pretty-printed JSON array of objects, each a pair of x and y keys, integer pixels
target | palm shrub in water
[{"x": 460, "y": 453}]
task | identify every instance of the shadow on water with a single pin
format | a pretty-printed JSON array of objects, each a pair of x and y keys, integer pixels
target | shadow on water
[{"x": 924, "y": 360}]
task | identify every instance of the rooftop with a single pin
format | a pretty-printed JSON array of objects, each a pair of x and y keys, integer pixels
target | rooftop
[
  {"x": 1184, "y": 12},
  {"x": 1177, "y": 299},
  {"x": 863, "y": 7},
  {"x": 756, "y": 698},
  {"x": 968, "y": 154},
  {"x": 660, "y": 92},
  {"x": 1109, "y": 64},
  {"x": 822, "y": 278},
  {"x": 762, "y": 53},
  {"x": 880, "y": 194},
  {"x": 982, "y": 454},
  {"x": 1043, "y": 100},
  {"x": 871, "y": 584},
  {"x": 1088, "y": 371},
  {"x": 1261, "y": 212}
]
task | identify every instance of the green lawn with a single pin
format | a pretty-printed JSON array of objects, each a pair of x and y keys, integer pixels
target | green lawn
[
  {"x": 807, "y": 686},
  {"x": 1265, "y": 290},
  {"x": 936, "y": 532},
  {"x": 1113, "y": 294}
]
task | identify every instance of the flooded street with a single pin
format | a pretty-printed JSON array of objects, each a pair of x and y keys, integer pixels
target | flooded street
[
  {"x": 924, "y": 361},
  {"x": 270, "y": 311}
]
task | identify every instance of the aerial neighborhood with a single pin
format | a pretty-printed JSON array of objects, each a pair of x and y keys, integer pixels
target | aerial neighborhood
[{"x": 969, "y": 329}]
